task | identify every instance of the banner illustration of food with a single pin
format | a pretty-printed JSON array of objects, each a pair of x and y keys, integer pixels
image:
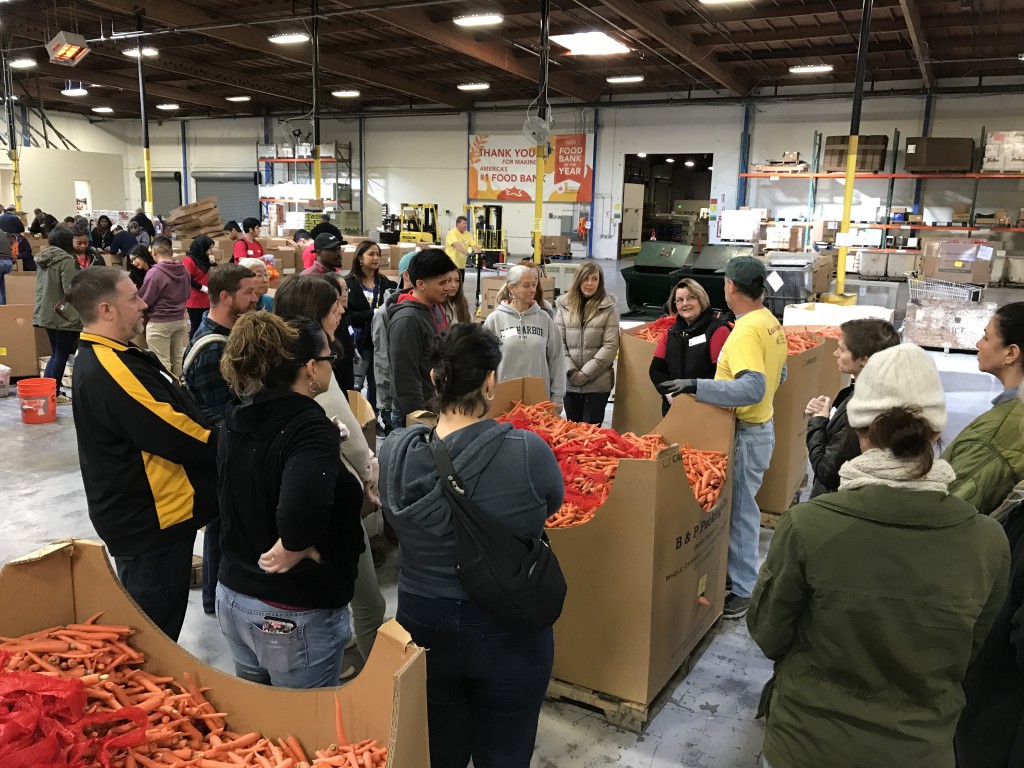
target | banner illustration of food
[{"x": 505, "y": 168}]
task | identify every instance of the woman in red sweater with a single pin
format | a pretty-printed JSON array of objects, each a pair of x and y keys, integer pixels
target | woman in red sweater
[{"x": 197, "y": 264}]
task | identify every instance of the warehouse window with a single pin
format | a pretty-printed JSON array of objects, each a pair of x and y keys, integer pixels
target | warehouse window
[
  {"x": 166, "y": 190},
  {"x": 236, "y": 192}
]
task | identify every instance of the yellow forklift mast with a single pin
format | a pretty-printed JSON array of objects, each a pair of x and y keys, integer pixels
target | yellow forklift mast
[
  {"x": 418, "y": 223},
  {"x": 485, "y": 222}
]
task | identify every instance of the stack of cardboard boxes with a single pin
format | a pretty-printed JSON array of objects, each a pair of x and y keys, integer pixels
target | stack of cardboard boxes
[
  {"x": 1004, "y": 152},
  {"x": 21, "y": 345}
]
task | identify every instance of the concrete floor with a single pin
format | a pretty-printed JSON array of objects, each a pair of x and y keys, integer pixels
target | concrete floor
[{"x": 707, "y": 721}]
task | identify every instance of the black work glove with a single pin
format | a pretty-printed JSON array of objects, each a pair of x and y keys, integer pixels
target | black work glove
[{"x": 678, "y": 386}]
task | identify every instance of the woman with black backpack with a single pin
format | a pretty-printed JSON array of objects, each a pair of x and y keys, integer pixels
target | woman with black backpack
[{"x": 485, "y": 680}]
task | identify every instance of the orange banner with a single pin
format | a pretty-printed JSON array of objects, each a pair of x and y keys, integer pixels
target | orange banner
[{"x": 505, "y": 168}]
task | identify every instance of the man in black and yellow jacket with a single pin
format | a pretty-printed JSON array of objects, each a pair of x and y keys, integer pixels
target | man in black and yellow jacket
[{"x": 147, "y": 454}]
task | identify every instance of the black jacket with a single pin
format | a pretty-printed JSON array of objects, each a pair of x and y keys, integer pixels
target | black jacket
[
  {"x": 345, "y": 366},
  {"x": 43, "y": 227},
  {"x": 102, "y": 238},
  {"x": 830, "y": 444},
  {"x": 11, "y": 224},
  {"x": 281, "y": 477},
  {"x": 684, "y": 360},
  {"x": 146, "y": 452},
  {"x": 145, "y": 222},
  {"x": 360, "y": 311},
  {"x": 412, "y": 329},
  {"x": 990, "y": 733}
]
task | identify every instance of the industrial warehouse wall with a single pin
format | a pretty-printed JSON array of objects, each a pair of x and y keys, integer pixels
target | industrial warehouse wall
[
  {"x": 48, "y": 179},
  {"x": 424, "y": 158}
]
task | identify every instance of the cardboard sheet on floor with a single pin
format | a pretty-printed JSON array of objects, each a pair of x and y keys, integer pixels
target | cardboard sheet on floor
[
  {"x": 69, "y": 581},
  {"x": 635, "y": 572}
]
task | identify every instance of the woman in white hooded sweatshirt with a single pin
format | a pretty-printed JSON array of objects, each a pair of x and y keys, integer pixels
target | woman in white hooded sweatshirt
[{"x": 530, "y": 342}]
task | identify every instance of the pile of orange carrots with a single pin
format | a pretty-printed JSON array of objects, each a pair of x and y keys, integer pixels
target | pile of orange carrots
[
  {"x": 830, "y": 331},
  {"x": 77, "y": 696},
  {"x": 706, "y": 472},
  {"x": 654, "y": 331},
  {"x": 588, "y": 455},
  {"x": 801, "y": 341}
]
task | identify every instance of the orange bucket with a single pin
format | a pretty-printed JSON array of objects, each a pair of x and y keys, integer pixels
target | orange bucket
[{"x": 38, "y": 400}]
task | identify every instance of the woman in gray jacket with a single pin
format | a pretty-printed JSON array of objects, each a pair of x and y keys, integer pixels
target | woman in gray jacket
[{"x": 589, "y": 325}]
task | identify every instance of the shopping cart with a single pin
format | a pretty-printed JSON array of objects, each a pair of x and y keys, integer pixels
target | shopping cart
[{"x": 924, "y": 288}]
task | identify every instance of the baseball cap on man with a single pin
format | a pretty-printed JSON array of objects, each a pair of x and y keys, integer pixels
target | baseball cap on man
[
  {"x": 744, "y": 270},
  {"x": 325, "y": 241}
]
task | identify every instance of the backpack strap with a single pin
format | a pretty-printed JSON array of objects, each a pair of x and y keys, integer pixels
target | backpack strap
[
  {"x": 443, "y": 462},
  {"x": 198, "y": 346}
]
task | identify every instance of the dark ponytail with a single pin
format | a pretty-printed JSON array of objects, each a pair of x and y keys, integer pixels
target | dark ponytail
[
  {"x": 907, "y": 435},
  {"x": 462, "y": 359}
]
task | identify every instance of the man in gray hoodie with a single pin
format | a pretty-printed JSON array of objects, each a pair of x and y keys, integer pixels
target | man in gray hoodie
[
  {"x": 166, "y": 289},
  {"x": 413, "y": 324}
]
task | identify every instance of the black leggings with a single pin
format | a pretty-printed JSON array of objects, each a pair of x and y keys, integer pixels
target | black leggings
[{"x": 586, "y": 407}]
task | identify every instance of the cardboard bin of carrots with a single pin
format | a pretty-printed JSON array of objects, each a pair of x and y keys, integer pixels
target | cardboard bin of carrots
[
  {"x": 87, "y": 680},
  {"x": 637, "y": 402}
]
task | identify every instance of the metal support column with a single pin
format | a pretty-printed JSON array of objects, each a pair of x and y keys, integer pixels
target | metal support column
[
  {"x": 12, "y": 144},
  {"x": 741, "y": 183},
  {"x": 317, "y": 169},
  {"x": 362, "y": 176},
  {"x": 593, "y": 194},
  {"x": 184, "y": 162},
  {"x": 541, "y": 150},
  {"x": 926, "y": 129},
  {"x": 147, "y": 167}
]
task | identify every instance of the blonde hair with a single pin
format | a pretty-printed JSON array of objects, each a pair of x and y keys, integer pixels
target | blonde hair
[
  {"x": 693, "y": 287},
  {"x": 265, "y": 351},
  {"x": 582, "y": 309}
]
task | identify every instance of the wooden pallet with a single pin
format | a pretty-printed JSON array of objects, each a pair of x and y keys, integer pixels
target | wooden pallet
[
  {"x": 782, "y": 170},
  {"x": 629, "y": 715}
]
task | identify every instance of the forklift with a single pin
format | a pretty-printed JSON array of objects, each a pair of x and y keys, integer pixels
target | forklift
[
  {"x": 419, "y": 223},
  {"x": 390, "y": 226},
  {"x": 485, "y": 222}
]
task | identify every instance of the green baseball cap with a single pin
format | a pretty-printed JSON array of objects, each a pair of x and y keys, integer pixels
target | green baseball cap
[{"x": 744, "y": 270}]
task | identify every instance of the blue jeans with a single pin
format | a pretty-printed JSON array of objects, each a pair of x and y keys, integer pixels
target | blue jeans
[
  {"x": 6, "y": 265},
  {"x": 308, "y": 657},
  {"x": 158, "y": 582},
  {"x": 485, "y": 685},
  {"x": 752, "y": 454}
]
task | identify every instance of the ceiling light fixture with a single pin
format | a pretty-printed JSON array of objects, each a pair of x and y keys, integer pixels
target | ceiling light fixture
[
  {"x": 1020, "y": 57},
  {"x": 479, "y": 20},
  {"x": 670, "y": 159},
  {"x": 134, "y": 52},
  {"x": 289, "y": 38},
  {"x": 167, "y": 107},
  {"x": 811, "y": 69},
  {"x": 74, "y": 89},
  {"x": 345, "y": 94},
  {"x": 623, "y": 79},
  {"x": 23, "y": 63},
  {"x": 238, "y": 99},
  {"x": 711, "y": 167},
  {"x": 590, "y": 44},
  {"x": 641, "y": 154},
  {"x": 102, "y": 110},
  {"x": 474, "y": 86},
  {"x": 689, "y": 163}
]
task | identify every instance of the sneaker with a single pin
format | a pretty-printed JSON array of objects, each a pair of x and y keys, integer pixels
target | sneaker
[
  {"x": 63, "y": 400},
  {"x": 351, "y": 643},
  {"x": 735, "y": 607},
  {"x": 347, "y": 672}
]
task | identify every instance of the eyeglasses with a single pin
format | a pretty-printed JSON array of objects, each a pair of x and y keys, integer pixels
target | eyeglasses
[{"x": 331, "y": 358}]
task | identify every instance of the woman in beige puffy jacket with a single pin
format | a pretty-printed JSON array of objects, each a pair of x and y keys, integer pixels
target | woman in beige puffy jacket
[{"x": 589, "y": 323}]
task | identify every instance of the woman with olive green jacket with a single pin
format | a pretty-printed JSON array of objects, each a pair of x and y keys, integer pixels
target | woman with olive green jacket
[{"x": 55, "y": 268}]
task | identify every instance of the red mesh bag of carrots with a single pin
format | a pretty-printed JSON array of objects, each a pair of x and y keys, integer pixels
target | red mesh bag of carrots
[
  {"x": 76, "y": 696},
  {"x": 654, "y": 331}
]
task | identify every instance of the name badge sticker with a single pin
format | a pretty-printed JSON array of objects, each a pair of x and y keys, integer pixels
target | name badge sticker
[{"x": 702, "y": 339}]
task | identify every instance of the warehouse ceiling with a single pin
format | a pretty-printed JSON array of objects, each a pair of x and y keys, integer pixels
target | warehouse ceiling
[{"x": 401, "y": 53}]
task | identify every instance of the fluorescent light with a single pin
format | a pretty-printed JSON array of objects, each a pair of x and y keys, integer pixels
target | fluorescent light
[
  {"x": 74, "y": 89},
  {"x": 474, "y": 86},
  {"x": 23, "y": 63},
  {"x": 102, "y": 110},
  {"x": 641, "y": 154},
  {"x": 345, "y": 94},
  {"x": 289, "y": 38},
  {"x": 622, "y": 79},
  {"x": 711, "y": 167},
  {"x": 479, "y": 20},
  {"x": 167, "y": 107},
  {"x": 689, "y": 163},
  {"x": 670, "y": 159},
  {"x": 238, "y": 99},
  {"x": 810, "y": 69},
  {"x": 134, "y": 52},
  {"x": 590, "y": 44},
  {"x": 1020, "y": 57}
]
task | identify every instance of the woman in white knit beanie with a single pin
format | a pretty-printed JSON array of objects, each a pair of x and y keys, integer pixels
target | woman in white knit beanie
[{"x": 873, "y": 600}]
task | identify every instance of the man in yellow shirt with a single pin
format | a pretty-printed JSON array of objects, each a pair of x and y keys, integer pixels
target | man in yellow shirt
[
  {"x": 751, "y": 368},
  {"x": 459, "y": 243}
]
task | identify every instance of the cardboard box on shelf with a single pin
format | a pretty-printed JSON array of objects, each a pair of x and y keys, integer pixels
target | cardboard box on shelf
[
  {"x": 637, "y": 402},
  {"x": 491, "y": 287},
  {"x": 287, "y": 260},
  {"x": 957, "y": 261},
  {"x": 998, "y": 218},
  {"x": 555, "y": 245},
  {"x": 961, "y": 214},
  {"x": 822, "y": 272},
  {"x": 939, "y": 155},
  {"x": 789, "y": 459},
  {"x": 21, "y": 345},
  {"x": 655, "y": 566},
  {"x": 1004, "y": 152},
  {"x": 69, "y": 581},
  {"x": 21, "y": 288},
  {"x": 871, "y": 151}
]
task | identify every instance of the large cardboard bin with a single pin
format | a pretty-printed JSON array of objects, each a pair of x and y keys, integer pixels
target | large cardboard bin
[
  {"x": 637, "y": 402},
  {"x": 21, "y": 345},
  {"x": 637, "y": 571},
  {"x": 831, "y": 380},
  {"x": 69, "y": 581},
  {"x": 21, "y": 288},
  {"x": 491, "y": 287},
  {"x": 789, "y": 459}
]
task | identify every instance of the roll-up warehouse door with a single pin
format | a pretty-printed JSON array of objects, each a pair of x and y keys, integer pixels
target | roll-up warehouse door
[
  {"x": 166, "y": 190},
  {"x": 236, "y": 192}
]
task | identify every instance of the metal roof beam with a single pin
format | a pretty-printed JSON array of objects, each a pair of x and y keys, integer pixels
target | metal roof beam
[{"x": 912, "y": 17}]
